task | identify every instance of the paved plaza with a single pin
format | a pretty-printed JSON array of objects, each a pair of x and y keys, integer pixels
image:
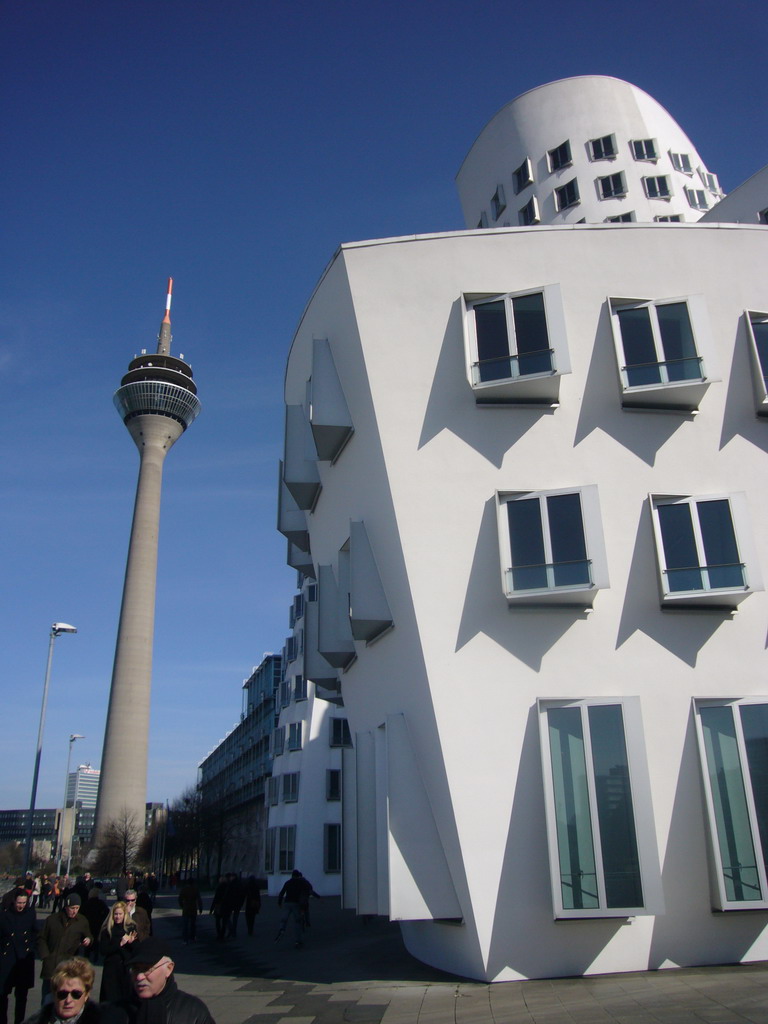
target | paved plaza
[{"x": 357, "y": 971}]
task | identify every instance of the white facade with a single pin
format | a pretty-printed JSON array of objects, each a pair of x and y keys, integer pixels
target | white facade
[
  {"x": 588, "y": 149},
  {"x": 540, "y": 554},
  {"x": 305, "y": 789},
  {"x": 83, "y": 786},
  {"x": 747, "y": 204}
]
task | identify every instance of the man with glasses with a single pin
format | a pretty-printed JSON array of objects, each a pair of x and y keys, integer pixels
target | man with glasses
[
  {"x": 158, "y": 999},
  {"x": 138, "y": 915},
  {"x": 63, "y": 935}
]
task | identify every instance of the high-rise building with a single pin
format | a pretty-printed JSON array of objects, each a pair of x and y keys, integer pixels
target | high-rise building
[
  {"x": 525, "y": 464},
  {"x": 83, "y": 787},
  {"x": 157, "y": 400}
]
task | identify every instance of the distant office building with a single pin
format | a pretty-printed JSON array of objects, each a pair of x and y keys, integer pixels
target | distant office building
[
  {"x": 83, "y": 787},
  {"x": 233, "y": 777},
  {"x": 525, "y": 466}
]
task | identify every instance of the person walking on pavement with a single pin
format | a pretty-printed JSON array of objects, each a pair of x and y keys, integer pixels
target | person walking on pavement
[
  {"x": 296, "y": 893},
  {"x": 156, "y": 998},
  {"x": 191, "y": 904},
  {"x": 18, "y": 931},
  {"x": 252, "y": 902},
  {"x": 62, "y": 936}
]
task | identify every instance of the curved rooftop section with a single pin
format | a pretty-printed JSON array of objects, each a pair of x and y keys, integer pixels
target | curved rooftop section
[{"x": 588, "y": 149}]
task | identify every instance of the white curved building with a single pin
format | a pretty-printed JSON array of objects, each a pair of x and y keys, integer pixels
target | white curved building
[
  {"x": 527, "y": 468},
  {"x": 591, "y": 149}
]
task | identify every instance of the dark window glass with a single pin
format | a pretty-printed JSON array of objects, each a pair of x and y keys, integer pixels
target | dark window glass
[
  {"x": 760, "y": 330},
  {"x": 639, "y": 350},
  {"x": 754, "y": 722},
  {"x": 719, "y": 539},
  {"x": 492, "y": 341},
  {"x": 680, "y": 555},
  {"x": 566, "y": 530},
  {"x": 529, "y": 571},
  {"x": 533, "y": 351}
]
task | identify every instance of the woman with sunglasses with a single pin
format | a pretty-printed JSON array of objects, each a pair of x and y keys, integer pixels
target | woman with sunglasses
[{"x": 71, "y": 985}]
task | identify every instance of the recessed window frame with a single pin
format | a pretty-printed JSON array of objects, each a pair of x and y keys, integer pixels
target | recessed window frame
[
  {"x": 522, "y": 176},
  {"x": 540, "y": 388},
  {"x": 567, "y": 195},
  {"x": 294, "y": 735},
  {"x": 697, "y": 198},
  {"x": 602, "y": 148},
  {"x": 333, "y": 784},
  {"x": 270, "y": 843},
  {"x": 611, "y": 186},
  {"x": 273, "y": 790},
  {"x": 338, "y": 732},
  {"x": 588, "y": 814},
  {"x": 286, "y": 849},
  {"x": 709, "y": 181},
  {"x": 559, "y": 584},
  {"x": 291, "y": 787},
  {"x": 299, "y": 688},
  {"x": 669, "y": 218},
  {"x": 757, "y": 334},
  {"x": 671, "y": 391},
  {"x": 682, "y": 163},
  {"x": 645, "y": 150},
  {"x": 723, "y": 585},
  {"x": 529, "y": 214},
  {"x": 560, "y": 156},
  {"x": 498, "y": 202},
  {"x": 736, "y": 811},
  {"x": 278, "y": 740},
  {"x": 332, "y": 848},
  {"x": 622, "y": 218},
  {"x": 657, "y": 186}
]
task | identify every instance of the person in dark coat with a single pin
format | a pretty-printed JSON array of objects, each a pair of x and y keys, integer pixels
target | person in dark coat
[
  {"x": 18, "y": 931},
  {"x": 234, "y": 899},
  {"x": 191, "y": 904},
  {"x": 62, "y": 936},
  {"x": 155, "y": 994},
  {"x": 95, "y": 911},
  {"x": 115, "y": 941},
  {"x": 252, "y": 902},
  {"x": 220, "y": 907}
]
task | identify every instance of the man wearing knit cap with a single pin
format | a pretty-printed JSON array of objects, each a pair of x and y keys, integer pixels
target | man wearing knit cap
[
  {"x": 157, "y": 998},
  {"x": 62, "y": 936}
]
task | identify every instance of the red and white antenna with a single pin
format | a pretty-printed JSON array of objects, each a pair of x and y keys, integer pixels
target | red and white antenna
[{"x": 167, "y": 317}]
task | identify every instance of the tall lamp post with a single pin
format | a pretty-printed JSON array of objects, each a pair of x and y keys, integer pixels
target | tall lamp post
[
  {"x": 72, "y": 738},
  {"x": 56, "y": 630}
]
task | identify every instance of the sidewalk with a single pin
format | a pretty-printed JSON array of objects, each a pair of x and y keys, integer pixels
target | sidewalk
[
  {"x": 350, "y": 970},
  {"x": 358, "y": 972}
]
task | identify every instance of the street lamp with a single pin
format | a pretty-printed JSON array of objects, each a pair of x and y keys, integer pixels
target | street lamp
[
  {"x": 56, "y": 630},
  {"x": 72, "y": 738}
]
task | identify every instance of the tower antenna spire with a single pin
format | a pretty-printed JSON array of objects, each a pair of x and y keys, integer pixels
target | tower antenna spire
[{"x": 164, "y": 337}]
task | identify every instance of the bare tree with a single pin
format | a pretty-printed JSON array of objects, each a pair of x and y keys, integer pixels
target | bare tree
[{"x": 118, "y": 843}]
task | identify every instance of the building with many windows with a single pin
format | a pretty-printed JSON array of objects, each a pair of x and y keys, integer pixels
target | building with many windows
[
  {"x": 526, "y": 469},
  {"x": 233, "y": 777},
  {"x": 308, "y": 745},
  {"x": 83, "y": 786}
]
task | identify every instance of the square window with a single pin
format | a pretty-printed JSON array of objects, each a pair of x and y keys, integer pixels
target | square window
[
  {"x": 567, "y": 195},
  {"x": 551, "y": 545},
  {"x": 612, "y": 186},
  {"x": 603, "y": 148},
  {"x": 657, "y": 187},
  {"x": 658, "y": 345},
  {"x": 529, "y": 214},
  {"x": 332, "y": 848},
  {"x": 601, "y": 838},
  {"x": 290, "y": 787},
  {"x": 733, "y": 747},
  {"x": 340, "y": 735},
  {"x": 511, "y": 338},
  {"x": 621, "y": 218},
  {"x": 498, "y": 202},
  {"x": 560, "y": 156},
  {"x": 697, "y": 198},
  {"x": 681, "y": 162},
  {"x": 294, "y": 736},
  {"x": 703, "y": 548},
  {"x": 523, "y": 176},
  {"x": 286, "y": 849},
  {"x": 333, "y": 784},
  {"x": 644, "y": 149}
]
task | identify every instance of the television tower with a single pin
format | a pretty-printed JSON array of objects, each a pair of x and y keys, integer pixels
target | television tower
[{"x": 157, "y": 400}]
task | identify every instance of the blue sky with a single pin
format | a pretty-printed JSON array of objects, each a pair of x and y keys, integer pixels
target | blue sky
[{"x": 234, "y": 145}]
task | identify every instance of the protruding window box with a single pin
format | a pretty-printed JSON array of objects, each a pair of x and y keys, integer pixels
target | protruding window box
[
  {"x": 369, "y": 613},
  {"x": 516, "y": 347},
  {"x": 664, "y": 352},
  {"x": 757, "y": 331},
  {"x": 300, "y": 471},
  {"x": 291, "y": 520},
  {"x": 316, "y": 668},
  {"x": 335, "y": 642},
  {"x": 329, "y": 415},
  {"x": 552, "y": 547},
  {"x": 300, "y": 560},
  {"x": 705, "y": 553}
]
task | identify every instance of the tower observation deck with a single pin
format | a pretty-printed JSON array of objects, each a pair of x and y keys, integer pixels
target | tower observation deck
[{"x": 157, "y": 400}]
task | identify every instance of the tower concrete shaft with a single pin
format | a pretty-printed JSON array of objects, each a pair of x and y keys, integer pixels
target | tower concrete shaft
[{"x": 157, "y": 400}]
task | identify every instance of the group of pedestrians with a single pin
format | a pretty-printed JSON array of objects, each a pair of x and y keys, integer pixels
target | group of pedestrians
[
  {"x": 231, "y": 895},
  {"x": 137, "y": 985}
]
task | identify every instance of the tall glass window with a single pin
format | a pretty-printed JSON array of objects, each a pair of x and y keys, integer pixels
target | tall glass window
[
  {"x": 547, "y": 542},
  {"x": 594, "y": 818},
  {"x": 512, "y": 338},
  {"x": 699, "y": 545},
  {"x": 734, "y": 739},
  {"x": 658, "y": 344}
]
